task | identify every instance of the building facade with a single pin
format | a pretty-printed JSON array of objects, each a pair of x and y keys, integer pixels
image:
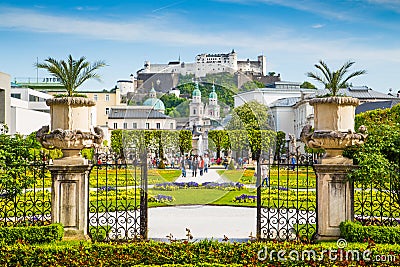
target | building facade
[
  {"x": 28, "y": 110},
  {"x": 207, "y": 64}
]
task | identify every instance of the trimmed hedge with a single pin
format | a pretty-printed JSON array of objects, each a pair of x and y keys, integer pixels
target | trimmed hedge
[
  {"x": 202, "y": 253},
  {"x": 31, "y": 234},
  {"x": 356, "y": 232}
]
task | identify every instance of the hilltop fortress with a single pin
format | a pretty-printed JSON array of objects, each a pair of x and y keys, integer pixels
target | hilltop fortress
[{"x": 208, "y": 64}]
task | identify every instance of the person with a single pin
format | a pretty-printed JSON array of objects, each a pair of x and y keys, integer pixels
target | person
[
  {"x": 195, "y": 165},
  {"x": 201, "y": 165},
  {"x": 293, "y": 163},
  {"x": 225, "y": 163},
  {"x": 264, "y": 175},
  {"x": 183, "y": 168},
  {"x": 206, "y": 163}
]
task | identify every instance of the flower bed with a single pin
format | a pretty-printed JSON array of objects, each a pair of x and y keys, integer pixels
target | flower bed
[
  {"x": 245, "y": 198},
  {"x": 207, "y": 185},
  {"x": 161, "y": 198}
]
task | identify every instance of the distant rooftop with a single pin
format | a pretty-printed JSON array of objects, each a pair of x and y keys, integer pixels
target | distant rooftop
[
  {"x": 285, "y": 102},
  {"x": 376, "y": 105},
  {"x": 360, "y": 92},
  {"x": 136, "y": 113}
]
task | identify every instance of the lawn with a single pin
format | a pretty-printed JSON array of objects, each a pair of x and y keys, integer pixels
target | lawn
[{"x": 287, "y": 178}]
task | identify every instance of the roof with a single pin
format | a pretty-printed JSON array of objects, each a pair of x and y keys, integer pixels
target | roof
[
  {"x": 285, "y": 102},
  {"x": 156, "y": 103},
  {"x": 376, "y": 105},
  {"x": 361, "y": 92},
  {"x": 124, "y": 113}
]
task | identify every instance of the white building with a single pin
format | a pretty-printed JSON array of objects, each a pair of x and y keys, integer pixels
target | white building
[
  {"x": 289, "y": 104},
  {"x": 267, "y": 96},
  {"x": 209, "y": 63},
  {"x": 126, "y": 86},
  {"x": 28, "y": 110},
  {"x": 139, "y": 118},
  {"x": 5, "y": 99},
  {"x": 304, "y": 113}
]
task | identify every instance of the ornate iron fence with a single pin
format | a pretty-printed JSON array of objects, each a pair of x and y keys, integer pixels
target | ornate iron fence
[
  {"x": 118, "y": 198},
  {"x": 26, "y": 199},
  {"x": 286, "y": 199},
  {"x": 377, "y": 203}
]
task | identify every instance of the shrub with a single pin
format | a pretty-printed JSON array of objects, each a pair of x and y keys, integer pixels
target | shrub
[
  {"x": 202, "y": 253},
  {"x": 356, "y": 232},
  {"x": 32, "y": 234},
  {"x": 231, "y": 165},
  {"x": 161, "y": 165}
]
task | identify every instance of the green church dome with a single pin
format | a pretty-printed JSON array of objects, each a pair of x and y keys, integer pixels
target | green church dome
[
  {"x": 157, "y": 104},
  {"x": 196, "y": 92},
  {"x": 213, "y": 94}
]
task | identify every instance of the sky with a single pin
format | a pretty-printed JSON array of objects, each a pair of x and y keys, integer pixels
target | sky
[{"x": 292, "y": 34}]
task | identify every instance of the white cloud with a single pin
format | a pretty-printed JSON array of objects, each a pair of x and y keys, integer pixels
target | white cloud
[
  {"x": 317, "y": 26},
  {"x": 283, "y": 45},
  {"x": 388, "y": 4}
]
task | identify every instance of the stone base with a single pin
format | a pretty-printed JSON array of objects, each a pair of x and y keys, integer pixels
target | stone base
[
  {"x": 70, "y": 161},
  {"x": 73, "y": 235},
  {"x": 69, "y": 199},
  {"x": 335, "y": 199},
  {"x": 339, "y": 160}
]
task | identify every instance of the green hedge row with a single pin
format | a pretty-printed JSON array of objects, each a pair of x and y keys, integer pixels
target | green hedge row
[
  {"x": 355, "y": 232},
  {"x": 31, "y": 234},
  {"x": 202, "y": 253}
]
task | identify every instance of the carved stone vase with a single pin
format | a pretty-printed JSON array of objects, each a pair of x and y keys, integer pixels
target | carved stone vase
[
  {"x": 334, "y": 128},
  {"x": 71, "y": 129}
]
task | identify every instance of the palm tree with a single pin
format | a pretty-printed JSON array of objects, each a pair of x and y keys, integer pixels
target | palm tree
[
  {"x": 335, "y": 80},
  {"x": 72, "y": 73}
]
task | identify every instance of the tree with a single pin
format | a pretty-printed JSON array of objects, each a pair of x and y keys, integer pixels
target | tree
[
  {"x": 280, "y": 144},
  {"x": 252, "y": 85},
  {"x": 15, "y": 162},
  {"x": 72, "y": 73},
  {"x": 252, "y": 121},
  {"x": 334, "y": 80},
  {"x": 185, "y": 141},
  {"x": 379, "y": 157},
  {"x": 308, "y": 85},
  {"x": 250, "y": 116},
  {"x": 220, "y": 140}
]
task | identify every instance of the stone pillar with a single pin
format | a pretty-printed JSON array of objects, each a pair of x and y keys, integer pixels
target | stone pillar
[
  {"x": 69, "y": 199},
  {"x": 334, "y": 199}
]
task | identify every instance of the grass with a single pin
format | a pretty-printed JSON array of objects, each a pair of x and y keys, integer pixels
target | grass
[{"x": 287, "y": 178}]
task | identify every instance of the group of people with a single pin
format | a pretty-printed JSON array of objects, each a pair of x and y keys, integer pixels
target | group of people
[{"x": 195, "y": 163}]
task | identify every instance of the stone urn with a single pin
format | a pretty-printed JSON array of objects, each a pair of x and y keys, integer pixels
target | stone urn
[
  {"x": 334, "y": 128},
  {"x": 71, "y": 129}
]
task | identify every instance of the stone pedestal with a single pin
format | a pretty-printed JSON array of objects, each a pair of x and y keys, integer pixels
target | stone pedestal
[
  {"x": 69, "y": 199},
  {"x": 335, "y": 199}
]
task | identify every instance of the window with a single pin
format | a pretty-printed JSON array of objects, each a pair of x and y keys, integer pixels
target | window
[
  {"x": 115, "y": 125},
  {"x": 194, "y": 112},
  {"x": 158, "y": 125},
  {"x": 147, "y": 125},
  {"x": 134, "y": 125},
  {"x": 95, "y": 97},
  {"x": 107, "y": 97},
  {"x": 125, "y": 125},
  {"x": 171, "y": 125},
  {"x": 16, "y": 96},
  {"x": 107, "y": 111}
]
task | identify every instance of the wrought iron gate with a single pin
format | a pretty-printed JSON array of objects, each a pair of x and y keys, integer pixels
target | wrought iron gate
[
  {"x": 118, "y": 198},
  {"x": 286, "y": 200}
]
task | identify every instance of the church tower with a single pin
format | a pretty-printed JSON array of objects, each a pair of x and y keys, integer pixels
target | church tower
[
  {"x": 213, "y": 109},
  {"x": 196, "y": 107}
]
